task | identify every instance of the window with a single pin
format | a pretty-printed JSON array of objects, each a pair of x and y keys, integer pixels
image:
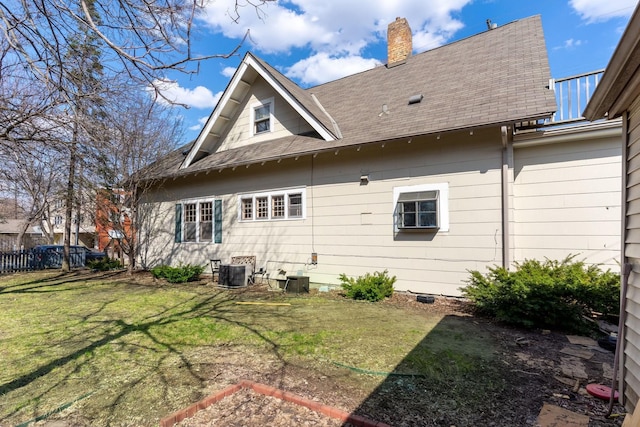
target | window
[
  {"x": 421, "y": 207},
  {"x": 262, "y": 207},
  {"x": 247, "y": 208},
  {"x": 418, "y": 210},
  {"x": 281, "y": 205},
  {"x": 190, "y": 222},
  {"x": 261, "y": 120},
  {"x": 199, "y": 221},
  {"x": 277, "y": 206},
  {"x": 57, "y": 220},
  {"x": 295, "y": 205},
  {"x": 206, "y": 221}
]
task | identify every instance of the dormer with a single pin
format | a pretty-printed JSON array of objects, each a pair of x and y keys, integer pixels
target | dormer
[{"x": 260, "y": 104}]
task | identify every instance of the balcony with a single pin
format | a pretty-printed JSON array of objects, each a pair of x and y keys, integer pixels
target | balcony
[{"x": 572, "y": 95}]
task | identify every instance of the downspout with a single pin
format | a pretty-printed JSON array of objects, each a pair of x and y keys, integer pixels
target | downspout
[
  {"x": 507, "y": 158},
  {"x": 618, "y": 361}
]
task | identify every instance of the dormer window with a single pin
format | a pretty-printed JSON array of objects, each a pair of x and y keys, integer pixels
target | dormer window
[{"x": 262, "y": 114}]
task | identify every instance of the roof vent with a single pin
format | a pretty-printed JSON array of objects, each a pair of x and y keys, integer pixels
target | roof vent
[
  {"x": 491, "y": 25},
  {"x": 415, "y": 99}
]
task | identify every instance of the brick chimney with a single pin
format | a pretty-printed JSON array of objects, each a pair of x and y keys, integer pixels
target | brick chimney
[{"x": 399, "y": 42}]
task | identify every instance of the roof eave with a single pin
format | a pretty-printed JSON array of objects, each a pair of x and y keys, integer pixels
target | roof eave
[
  {"x": 334, "y": 148},
  {"x": 609, "y": 98}
]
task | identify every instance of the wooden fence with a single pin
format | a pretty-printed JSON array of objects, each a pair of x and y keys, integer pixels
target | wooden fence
[{"x": 12, "y": 262}]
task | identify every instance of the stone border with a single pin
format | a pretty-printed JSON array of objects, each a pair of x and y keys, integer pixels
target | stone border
[{"x": 266, "y": 390}]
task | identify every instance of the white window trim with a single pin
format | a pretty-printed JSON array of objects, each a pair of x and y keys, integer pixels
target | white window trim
[
  {"x": 268, "y": 195},
  {"x": 183, "y": 228},
  {"x": 443, "y": 204},
  {"x": 253, "y": 107}
]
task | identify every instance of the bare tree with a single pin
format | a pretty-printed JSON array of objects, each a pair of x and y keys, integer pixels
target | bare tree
[
  {"x": 144, "y": 39},
  {"x": 149, "y": 132},
  {"x": 25, "y": 107},
  {"x": 57, "y": 55},
  {"x": 35, "y": 177}
]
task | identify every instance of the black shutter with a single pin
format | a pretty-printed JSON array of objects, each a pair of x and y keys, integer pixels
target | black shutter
[
  {"x": 217, "y": 221},
  {"x": 178, "y": 232}
]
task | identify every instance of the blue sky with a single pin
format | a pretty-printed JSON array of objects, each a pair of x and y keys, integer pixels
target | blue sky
[{"x": 313, "y": 41}]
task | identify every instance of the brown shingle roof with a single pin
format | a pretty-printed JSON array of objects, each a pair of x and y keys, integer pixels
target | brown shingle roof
[
  {"x": 496, "y": 77},
  {"x": 499, "y": 76},
  {"x": 303, "y": 97}
]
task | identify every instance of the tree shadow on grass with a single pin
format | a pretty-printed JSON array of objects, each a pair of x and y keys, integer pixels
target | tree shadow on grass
[
  {"x": 452, "y": 377},
  {"x": 214, "y": 305},
  {"x": 53, "y": 283}
]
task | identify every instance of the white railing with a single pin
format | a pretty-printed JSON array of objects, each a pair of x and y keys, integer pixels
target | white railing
[{"x": 572, "y": 95}]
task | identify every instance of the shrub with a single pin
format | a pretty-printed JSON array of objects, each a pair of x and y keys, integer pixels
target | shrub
[
  {"x": 549, "y": 294},
  {"x": 104, "y": 264},
  {"x": 181, "y": 274},
  {"x": 370, "y": 287}
]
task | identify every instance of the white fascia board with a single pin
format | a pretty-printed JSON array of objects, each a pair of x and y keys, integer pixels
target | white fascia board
[
  {"x": 215, "y": 115},
  {"x": 292, "y": 102},
  {"x": 584, "y": 132}
]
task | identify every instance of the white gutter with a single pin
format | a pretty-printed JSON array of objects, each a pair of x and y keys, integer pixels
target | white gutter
[{"x": 611, "y": 128}]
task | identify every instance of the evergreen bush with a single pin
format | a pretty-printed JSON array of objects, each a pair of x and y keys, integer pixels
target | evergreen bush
[
  {"x": 370, "y": 287},
  {"x": 181, "y": 274},
  {"x": 549, "y": 294},
  {"x": 104, "y": 264}
]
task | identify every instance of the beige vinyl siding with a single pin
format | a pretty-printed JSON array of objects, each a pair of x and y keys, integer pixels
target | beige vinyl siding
[
  {"x": 632, "y": 254},
  {"x": 567, "y": 201},
  {"x": 349, "y": 225},
  {"x": 286, "y": 121}
]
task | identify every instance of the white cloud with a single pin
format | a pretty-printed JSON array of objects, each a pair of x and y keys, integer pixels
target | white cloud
[
  {"x": 201, "y": 122},
  {"x": 600, "y": 10},
  {"x": 321, "y": 68},
  {"x": 335, "y": 31},
  {"x": 569, "y": 44},
  {"x": 572, "y": 43},
  {"x": 198, "y": 97},
  {"x": 337, "y": 27},
  {"x": 228, "y": 71}
]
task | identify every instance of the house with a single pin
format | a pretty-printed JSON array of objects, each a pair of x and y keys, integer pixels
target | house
[
  {"x": 113, "y": 224},
  {"x": 10, "y": 229},
  {"x": 83, "y": 229},
  {"x": 429, "y": 166},
  {"x": 618, "y": 98}
]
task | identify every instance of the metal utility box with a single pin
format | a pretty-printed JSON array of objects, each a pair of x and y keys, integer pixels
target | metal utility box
[
  {"x": 298, "y": 284},
  {"x": 233, "y": 275}
]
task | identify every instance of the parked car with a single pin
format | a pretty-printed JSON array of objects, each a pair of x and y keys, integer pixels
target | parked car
[{"x": 51, "y": 255}]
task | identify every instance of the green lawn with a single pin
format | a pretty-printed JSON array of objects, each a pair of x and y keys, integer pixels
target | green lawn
[{"x": 120, "y": 351}]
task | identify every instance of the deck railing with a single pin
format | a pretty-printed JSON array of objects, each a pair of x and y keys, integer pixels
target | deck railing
[{"x": 572, "y": 95}]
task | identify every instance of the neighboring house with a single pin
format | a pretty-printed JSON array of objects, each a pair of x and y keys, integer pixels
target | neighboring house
[
  {"x": 618, "y": 96},
  {"x": 9, "y": 231},
  {"x": 112, "y": 221},
  {"x": 83, "y": 229},
  {"x": 429, "y": 166}
]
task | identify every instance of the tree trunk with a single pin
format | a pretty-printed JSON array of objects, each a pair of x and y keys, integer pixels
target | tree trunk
[
  {"x": 66, "y": 259},
  {"x": 21, "y": 233}
]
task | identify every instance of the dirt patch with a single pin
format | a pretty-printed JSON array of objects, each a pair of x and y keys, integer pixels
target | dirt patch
[{"x": 248, "y": 408}]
